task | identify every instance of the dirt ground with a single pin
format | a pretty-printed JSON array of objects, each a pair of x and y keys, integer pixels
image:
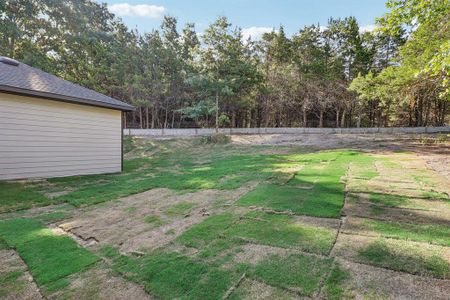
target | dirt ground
[
  {"x": 21, "y": 284},
  {"x": 143, "y": 222},
  {"x": 125, "y": 224}
]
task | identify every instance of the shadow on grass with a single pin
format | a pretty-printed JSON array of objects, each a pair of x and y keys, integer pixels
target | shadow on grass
[{"x": 407, "y": 259}]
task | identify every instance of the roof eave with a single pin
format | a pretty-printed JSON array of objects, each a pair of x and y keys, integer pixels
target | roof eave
[{"x": 76, "y": 100}]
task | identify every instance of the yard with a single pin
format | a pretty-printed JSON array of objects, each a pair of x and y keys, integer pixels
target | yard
[{"x": 258, "y": 217}]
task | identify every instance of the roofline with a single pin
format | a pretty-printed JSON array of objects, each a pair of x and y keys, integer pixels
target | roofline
[{"x": 76, "y": 100}]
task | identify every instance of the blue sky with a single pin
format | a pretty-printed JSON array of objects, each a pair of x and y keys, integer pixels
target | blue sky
[{"x": 254, "y": 16}]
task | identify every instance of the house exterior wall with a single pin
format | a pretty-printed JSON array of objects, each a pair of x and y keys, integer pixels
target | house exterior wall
[{"x": 47, "y": 138}]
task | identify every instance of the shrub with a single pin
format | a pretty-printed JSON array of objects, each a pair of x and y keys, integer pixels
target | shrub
[{"x": 216, "y": 138}]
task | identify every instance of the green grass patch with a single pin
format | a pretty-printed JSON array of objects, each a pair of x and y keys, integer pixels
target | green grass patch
[
  {"x": 202, "y": 234},
  {"x": 53, "y": 217},
  {"x": 220, "y": 232},
  {"x": 428, "y": 233},
  {"x": 18, "y": 195},
  {"x": 390, "y": 200},
  {"x": 180, "y": 208},
  {"x": 128, "y": 144},
  {"x": 321, "y": 201},
  {"x": 323, "y": 172},
  {"x": 282, "y": 231},
  {"x": 405, "y": 257},
  {"x": 153, "y": 220},
  {"x": 130, "y": 209},
  {"x": 10, "y": 283},
  {"x": 49, "y": 257},
  {"x": 218, "y": 246},
  {"x": 57, "y": 285},
  {"x": 435, "y": 195},
  {"x": 174, "y": 276},
  {"x": 334, "y": 285},
  {"x": 295, "y": 271},
  {"x": 3, "y": 244}
]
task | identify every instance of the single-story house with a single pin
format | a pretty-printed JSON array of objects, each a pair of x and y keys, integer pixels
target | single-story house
[{"x": 50, "y": 127}]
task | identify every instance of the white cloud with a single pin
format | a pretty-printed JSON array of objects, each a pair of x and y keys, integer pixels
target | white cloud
[
  {"x": 138, "y": 10},
  {"x": 367, "y": 28},
  {"x": 255, "y": 33}
]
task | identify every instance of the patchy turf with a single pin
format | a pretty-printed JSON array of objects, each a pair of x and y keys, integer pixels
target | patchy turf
[
  {"x": 282, "y": 231},
  {"x": 233, "y": 221},
  {"x": 411, "y": 257},
  {"x": 171, "y": 275},
  {"x": 15, "y": 280},
  {"x": 181, "y": 208},
  {"x": 296, "y": 272},
  {"x": 49, "y": 257}
]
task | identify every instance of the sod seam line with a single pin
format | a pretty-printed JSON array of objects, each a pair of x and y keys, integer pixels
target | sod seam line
[
  {"x": 27, "y": 269},
  {"x": 234, "y": 287},
  {"x": 322, "y": 281}
]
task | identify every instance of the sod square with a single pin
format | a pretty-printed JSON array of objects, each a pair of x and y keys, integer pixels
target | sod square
[
  {"x": 48, "y": 256},
  {"x": 297, "y": 272},
  {"x": 283, "y": 231},
  {"x": 320, "y": 201}
]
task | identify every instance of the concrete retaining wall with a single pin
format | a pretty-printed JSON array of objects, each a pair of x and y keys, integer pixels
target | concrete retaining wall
[{"x": 284, "y": 130}]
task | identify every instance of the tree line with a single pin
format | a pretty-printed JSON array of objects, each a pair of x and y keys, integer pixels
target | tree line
[{"x": 322, "y": 76}]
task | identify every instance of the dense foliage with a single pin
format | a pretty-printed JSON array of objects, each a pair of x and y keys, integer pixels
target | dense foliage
[{"x": 336, "y": 75}]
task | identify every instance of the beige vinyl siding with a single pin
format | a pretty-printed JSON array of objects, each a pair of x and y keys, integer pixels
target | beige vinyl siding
[{"x": 48, "y": 138}]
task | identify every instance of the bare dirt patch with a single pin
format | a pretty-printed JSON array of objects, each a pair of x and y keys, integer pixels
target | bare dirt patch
[
  {"x": 438, "y": 162},
  {"x": 319, "y": 222},
  {"x": 125, "y": 223},
  {"x": 368, "y": 282},
  {"x": 254, "y": 253},
  {"x": 327, "y": 141},
  {"x": 17, "y": 282},
  {"x": 100, "y": 283},
  {"x": 252, "y": 289}
]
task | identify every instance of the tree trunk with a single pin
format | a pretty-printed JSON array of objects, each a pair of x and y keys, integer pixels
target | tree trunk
[
  {"x": 321, "y": 119},
  {"x": 305, "y": 121},
  {"x": 166, "y": 115},
  {"x": 343, "y": 118},
  {"x": 217, "y": 111},
  {"x": 146, "y": 116},
  {"x": 153, "y": 116},
  {"x": 337, "y": 118},
  {"x": 233, "y": 118},
  {"x": 378, "y": 118},
  {"x": 140, "y": 117}
]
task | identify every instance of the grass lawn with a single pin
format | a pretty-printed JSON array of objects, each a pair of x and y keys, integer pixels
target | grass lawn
[
  {"x": 49, "y": 257},
  {"x": 251, "y": 220}
]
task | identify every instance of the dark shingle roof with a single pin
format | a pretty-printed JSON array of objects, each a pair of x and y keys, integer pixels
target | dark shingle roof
[{"x": 16, "y": 77}]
